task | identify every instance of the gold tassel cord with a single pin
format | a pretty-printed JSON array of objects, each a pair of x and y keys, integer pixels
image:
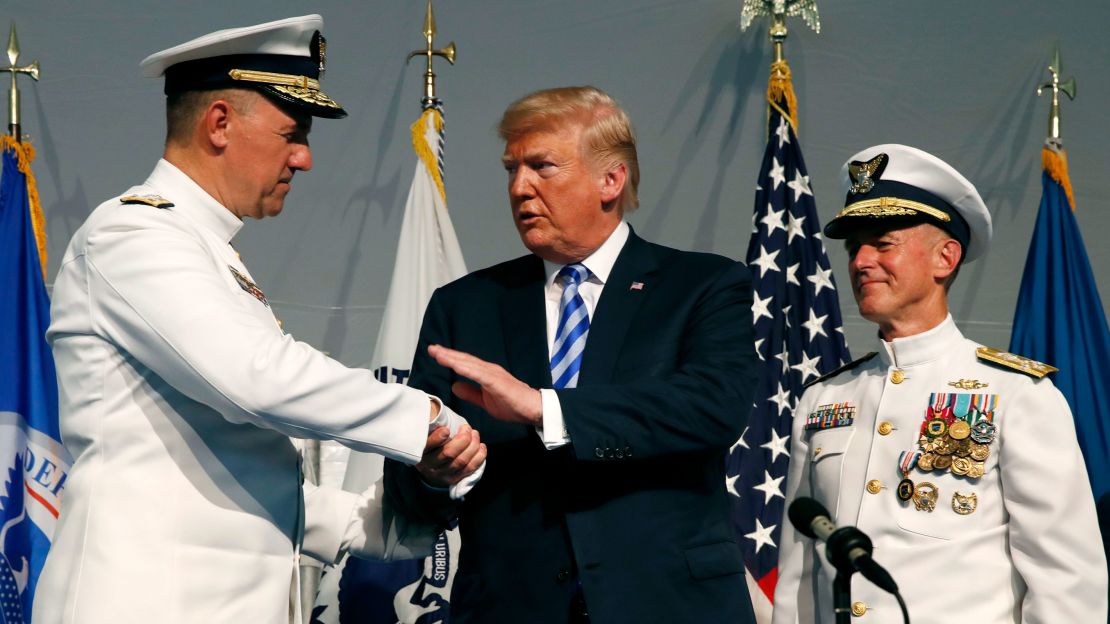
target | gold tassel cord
[
  {"x": 1056, "y": 165},
  {"x": 424, "y": 151},
  {"x": 24, "y": 154},
  {"x": 780, "y": 87}
]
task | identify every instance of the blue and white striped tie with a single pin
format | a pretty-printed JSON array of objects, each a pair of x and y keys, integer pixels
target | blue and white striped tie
[{"x": 571, "y": 330}]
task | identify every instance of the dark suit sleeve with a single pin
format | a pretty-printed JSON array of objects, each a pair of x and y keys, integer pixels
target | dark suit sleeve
[
  {"x": 696, "y": 403},
  {"x": 404, "y": 485}
]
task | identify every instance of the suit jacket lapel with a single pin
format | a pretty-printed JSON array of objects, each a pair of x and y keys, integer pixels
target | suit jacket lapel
[
  {"x": 618, "y": 304},
  {"x": 524, "y": 326}
]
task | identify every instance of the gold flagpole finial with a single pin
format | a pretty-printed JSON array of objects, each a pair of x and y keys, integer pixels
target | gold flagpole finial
[
  {"x": 1067, "y": 87},
  {"x": 429, "y": 51},
  {"x": 13, "y": 93}
]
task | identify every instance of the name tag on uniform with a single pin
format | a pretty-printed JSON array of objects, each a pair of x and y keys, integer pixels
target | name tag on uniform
[{"x": 831, "y": 416}]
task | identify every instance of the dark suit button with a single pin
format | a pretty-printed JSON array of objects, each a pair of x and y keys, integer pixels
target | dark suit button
[
  {"x": 628, "y": 451},
  {"x": 620, "y": 453},
  {"x": 563, "y": 576},
  {"x": 598, "y": 453},
  {"x": 608, "y": 453}
]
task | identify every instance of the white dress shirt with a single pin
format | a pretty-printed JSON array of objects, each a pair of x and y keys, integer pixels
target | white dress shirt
[{"x": 600, "y": 263}]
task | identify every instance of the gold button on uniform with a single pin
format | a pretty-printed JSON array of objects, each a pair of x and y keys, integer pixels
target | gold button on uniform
[
  {"x": 897, "y": 376},
  {"x": 885, "y": 428},
  {"x": 859, "y": 608},
  {"x": 874, "y": 486}
]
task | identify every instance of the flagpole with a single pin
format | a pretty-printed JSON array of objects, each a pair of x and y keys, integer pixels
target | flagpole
[
  {"x": 429, "y": 100},
  {"x": 31, "y": 70},
  {"x": 1067, "y": 87}
]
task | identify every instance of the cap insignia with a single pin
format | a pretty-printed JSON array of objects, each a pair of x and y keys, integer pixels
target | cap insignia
[
  {"x": 319, "y": 47},
  {"x": 864, "y": 174}
]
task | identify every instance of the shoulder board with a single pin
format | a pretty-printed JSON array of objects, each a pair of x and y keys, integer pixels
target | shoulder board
[
  {"x": 847, "y": 367},
  {"x": 150, "y": 200},
  {"x": 1032, "y": 368}
]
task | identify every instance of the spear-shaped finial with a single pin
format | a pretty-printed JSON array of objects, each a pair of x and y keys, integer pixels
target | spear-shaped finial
[
  {"x": 13, "y": 93},
  {"x": 1067, "y": 86},
  {"x": 430, "y": 51}
]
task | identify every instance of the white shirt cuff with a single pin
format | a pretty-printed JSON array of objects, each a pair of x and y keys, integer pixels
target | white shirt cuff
[{"x": 552, "y": 430}]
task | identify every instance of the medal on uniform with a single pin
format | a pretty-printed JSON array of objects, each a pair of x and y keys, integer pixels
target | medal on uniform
[
  {"x": 961, "y": 466},
  {"x": 926, "y": 461},
  {"x": 906, "y": 462},
  {"x": 964, "y": 504},
  {"x": 925, "y": 496}
]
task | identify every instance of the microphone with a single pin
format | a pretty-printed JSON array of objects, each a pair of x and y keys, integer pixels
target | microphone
[{"x": 847, "y": 548}]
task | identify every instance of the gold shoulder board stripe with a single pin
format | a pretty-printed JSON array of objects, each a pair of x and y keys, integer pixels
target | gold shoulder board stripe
[
  {"x": 847, "y": 367},
  {"x": 148, "y": 200},
  {"x": 1032, "y": 368}
]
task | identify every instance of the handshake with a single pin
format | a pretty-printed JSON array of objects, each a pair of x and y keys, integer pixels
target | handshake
[{"x": 454, "y": 455}]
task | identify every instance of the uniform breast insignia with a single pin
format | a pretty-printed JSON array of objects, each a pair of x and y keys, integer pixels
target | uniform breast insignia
[
  {"x": 1032, "y": 368},
  {"x": 925, "y": 496},
  {"x": 968, "y": 384},
  {"x": 249, "y": 286},
  {"x": 147, "y": 200},
  {"x": 964, "y": 504},
  {"x": 831, "y": 416},
  {"x": 957, "y": 432}
]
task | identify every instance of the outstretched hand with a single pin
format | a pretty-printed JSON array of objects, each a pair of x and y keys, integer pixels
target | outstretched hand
[{"x": 503, "y": 396}]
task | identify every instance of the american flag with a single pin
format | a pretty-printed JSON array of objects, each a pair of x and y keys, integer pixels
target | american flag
[{"x": 798, "y": 337}]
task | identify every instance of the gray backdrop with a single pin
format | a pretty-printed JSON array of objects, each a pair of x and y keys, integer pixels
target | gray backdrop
[{"x": 954, "y": 77}]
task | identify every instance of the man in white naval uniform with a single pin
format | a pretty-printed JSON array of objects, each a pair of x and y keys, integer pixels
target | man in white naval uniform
[
  {"x": 179, "y": 391},
  {"x": 959, "y": 461}
]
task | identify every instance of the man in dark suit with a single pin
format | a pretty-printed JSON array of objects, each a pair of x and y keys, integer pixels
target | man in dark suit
[{"x": 608, "y": 376}]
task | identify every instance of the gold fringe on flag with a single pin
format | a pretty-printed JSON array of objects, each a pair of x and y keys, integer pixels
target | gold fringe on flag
[
  {"x": 1055, "y": 163},
  {"x": 779, "y": 88},
  {"x": 24, "y": 154},
  {"x": 424, "y": 151}
]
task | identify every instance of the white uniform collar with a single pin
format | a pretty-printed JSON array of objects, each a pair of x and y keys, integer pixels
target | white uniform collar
[
  {"x": 191, "y": 201},
  {"x": 920, "y": 348},
  {"x": 601, "y": 261}
]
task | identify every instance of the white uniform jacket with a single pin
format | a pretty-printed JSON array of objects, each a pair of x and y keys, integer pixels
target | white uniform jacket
[
  {"x": 178, "y": 395},
  {"x": 1029, "y": 549}
]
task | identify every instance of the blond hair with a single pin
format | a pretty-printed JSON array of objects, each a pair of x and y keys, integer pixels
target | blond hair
[{"x": 607, "y": 136}]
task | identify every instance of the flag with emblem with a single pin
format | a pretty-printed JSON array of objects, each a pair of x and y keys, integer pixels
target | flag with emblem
[
  {"x": 1059, "y": 319},
  {"x": 798, "y": 336},
  {"x": 34, "y": 462},
  {"x": 428, "y": 256}
]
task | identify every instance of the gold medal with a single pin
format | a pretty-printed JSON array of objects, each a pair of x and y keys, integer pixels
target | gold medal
[
  {"x": 980, "y": 452},
  {"x": 945, "y": 446},
  {"x": 925, "y": 496},
  {"x": 959, "y": 430},
  {"x": 926, "y": 461},
  {"x": 961, "y": 465},
  {"x": 964, "y": 505},
  {"x": 963, "y": 448},
  {"x": 943, "y": 462},
  {"x": 905, "y": 489},
  {"x": 976, "y": 470}
]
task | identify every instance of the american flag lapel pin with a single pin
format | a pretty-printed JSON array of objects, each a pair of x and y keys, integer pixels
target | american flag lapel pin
[{"x": 636, "y": 286}]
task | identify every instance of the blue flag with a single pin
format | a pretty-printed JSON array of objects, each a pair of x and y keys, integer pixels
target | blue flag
[
  {"x": 1059, "y": 318},
  {"x": 33, "y": 463},
  {"x": 798, "y": 332}
]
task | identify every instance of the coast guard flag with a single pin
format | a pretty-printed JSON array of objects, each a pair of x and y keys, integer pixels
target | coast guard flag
[
  {"x": 428, "y": 256},
  {"x": 798, "y": 335},
  {"x": 33, "y": 463},
  {"x": 1059, "y": 319}
]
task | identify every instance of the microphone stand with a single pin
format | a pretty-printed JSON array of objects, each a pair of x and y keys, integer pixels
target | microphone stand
[
  {"x": 842, "y": 597},
  {"x": 842, "y": 542}
]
